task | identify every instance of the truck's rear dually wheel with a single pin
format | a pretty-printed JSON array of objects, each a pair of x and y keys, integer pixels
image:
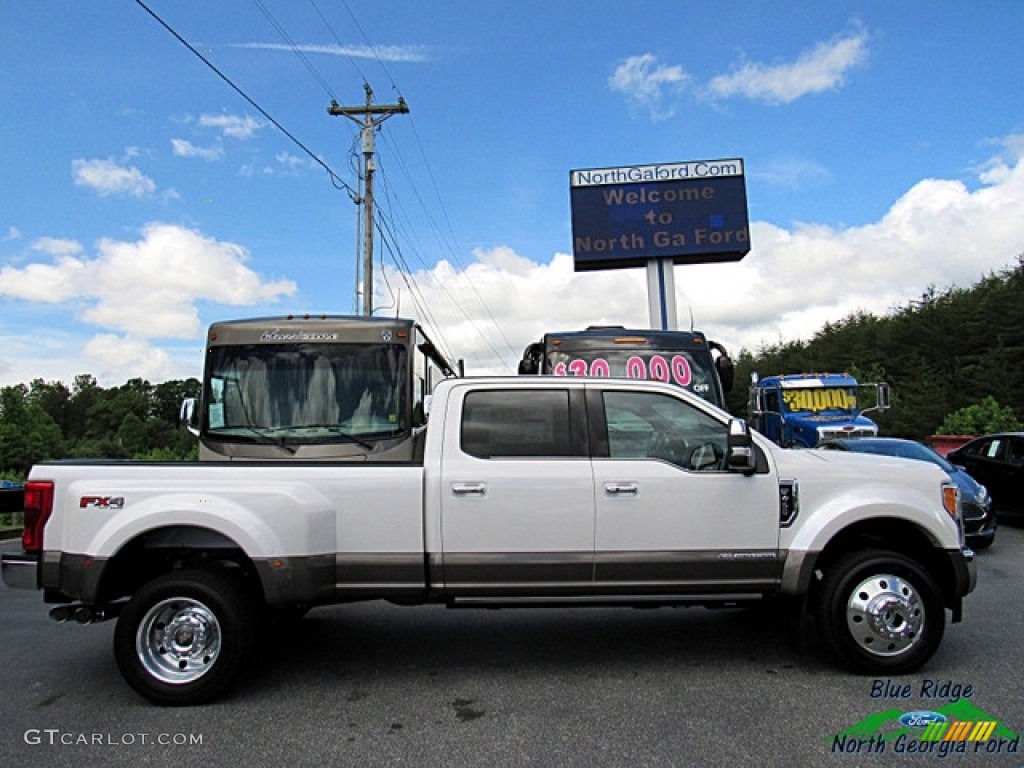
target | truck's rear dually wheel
[
  {"x": 881, "y": 612},
  {"x": 184, "y": 636}
]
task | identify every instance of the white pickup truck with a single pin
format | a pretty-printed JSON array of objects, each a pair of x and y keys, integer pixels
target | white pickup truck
[{"x": 530, "y": 491}]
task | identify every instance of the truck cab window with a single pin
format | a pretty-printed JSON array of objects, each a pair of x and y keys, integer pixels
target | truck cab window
[
  {"x": 644, "y": 425},
  {"x": 516, "y": 423}
]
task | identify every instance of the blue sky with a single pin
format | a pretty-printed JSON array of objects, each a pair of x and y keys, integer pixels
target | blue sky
[{"x": 143, "y": 198}]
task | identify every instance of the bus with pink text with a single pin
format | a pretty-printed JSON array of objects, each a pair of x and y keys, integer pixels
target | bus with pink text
[{"x": 685, "y": 358}]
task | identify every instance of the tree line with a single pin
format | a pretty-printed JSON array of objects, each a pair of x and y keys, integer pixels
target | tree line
[
  {"x": 954, "y": 359},
  {"x": 50, "y": 420}
]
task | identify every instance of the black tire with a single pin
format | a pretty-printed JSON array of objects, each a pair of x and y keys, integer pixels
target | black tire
[
  {"x": 880, "y": 612},
  {"x": 184, "y": 636}
]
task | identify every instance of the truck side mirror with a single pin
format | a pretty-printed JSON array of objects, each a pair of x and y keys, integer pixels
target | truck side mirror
[
  {"x": 187, "y": 417},
  {"x": 883, "y": 396},
  {"x": 757, "y": 403},
  {"x": 530, "y": 364},
  {"x": 740, "y": 455},
  {"x": 726, "y": 372}
]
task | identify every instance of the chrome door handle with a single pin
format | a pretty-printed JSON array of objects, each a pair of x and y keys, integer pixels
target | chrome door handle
[
  {"x": 621, "y": 489},
  {"x": 469, "y": 489}
]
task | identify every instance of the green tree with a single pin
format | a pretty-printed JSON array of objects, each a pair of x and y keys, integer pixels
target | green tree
[
  {"x": 49, "y": 420},
  {"x": 84, "y": 393},
  {"x": 28, "y": 434},
  {"x": 132, "y": 435},
  {"x": 980, "y": 419},
  {"x": 54, "y": 398}
]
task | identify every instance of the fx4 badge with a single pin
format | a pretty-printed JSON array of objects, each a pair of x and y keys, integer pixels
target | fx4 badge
[{"x": 101, "y": 502}]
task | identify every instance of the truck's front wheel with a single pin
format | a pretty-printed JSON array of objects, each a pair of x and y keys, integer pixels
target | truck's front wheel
[
  {"x": 881, "y": 612},
  {"x": 184, "y": 636}
]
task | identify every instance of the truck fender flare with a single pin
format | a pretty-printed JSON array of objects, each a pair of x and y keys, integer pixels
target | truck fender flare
[
  {"x": 827, "y": 527},
  {"x": 223, "y": 517}
]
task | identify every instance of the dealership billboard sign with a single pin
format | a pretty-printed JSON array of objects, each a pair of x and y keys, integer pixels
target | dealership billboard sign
[{"x": 692, "y": 213}]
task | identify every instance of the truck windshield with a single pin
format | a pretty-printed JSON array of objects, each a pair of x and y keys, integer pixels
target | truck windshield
[
  {"x": 690, "y": 369},
  {"x": 819, "y": 399},
  {"x": 300, "y": 393}
]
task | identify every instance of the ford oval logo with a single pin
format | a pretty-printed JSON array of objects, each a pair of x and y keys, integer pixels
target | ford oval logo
[{"x": 922, "y": 718}]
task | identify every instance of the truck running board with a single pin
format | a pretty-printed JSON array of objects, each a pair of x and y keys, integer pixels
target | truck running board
[{"x": 718, "y": 600}]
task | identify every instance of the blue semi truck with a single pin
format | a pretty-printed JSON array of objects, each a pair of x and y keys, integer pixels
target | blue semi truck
[{"x": 801, "y": 410}]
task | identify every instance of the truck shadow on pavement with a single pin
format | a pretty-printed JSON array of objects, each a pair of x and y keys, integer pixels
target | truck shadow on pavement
[{"x": 389, "y": 643}]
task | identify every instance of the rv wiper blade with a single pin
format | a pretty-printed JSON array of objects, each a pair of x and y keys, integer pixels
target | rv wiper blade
[
  {"x": 336, "y": 432},
  {"x": 264, "y": 438}
]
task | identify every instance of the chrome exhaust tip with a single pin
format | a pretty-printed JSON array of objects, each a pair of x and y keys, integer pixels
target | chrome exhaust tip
[{"x": 61, "y": 613}]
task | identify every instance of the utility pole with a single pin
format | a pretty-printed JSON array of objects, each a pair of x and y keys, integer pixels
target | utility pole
[{"x": 369, "y": 117}]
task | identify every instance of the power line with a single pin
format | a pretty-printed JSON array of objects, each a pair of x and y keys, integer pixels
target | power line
[
  {"x": 453, "y": 252},
  {"x": 337, "y": 39},
  {"x": 388, "y": 228},
  {"x": 295, "y": 49},
  {"x": 336, "y": 180},
  {"x": 447, "y": 241}
]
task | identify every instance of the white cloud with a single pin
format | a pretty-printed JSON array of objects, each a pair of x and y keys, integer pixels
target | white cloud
[
  {"x": 287, "y": 165},
  {"x": 13, "y": 233},
  {"x": 792, "y": 172},
  {"x": 940, "y": 232},
  {"x": 523, "y": 298},
  {"x": 116, "y": 358},
  {"x": 291, "y": 162},
  {"x": 185, "y": 148},
  {"x": 148, "y": 288},
  {"x": 654, "y": 88},
  {"x": 56, "y": 246},
  {"x": 231, "y": 125},
  {"x": 60, "y": 355},
  {"x": 46, "y": 353},
  {"x": 822, "y": 68},
  {"x": 648, "y": 85},
  {"x": 404, "y": 54},
  {"x": 108, "y": 178}
]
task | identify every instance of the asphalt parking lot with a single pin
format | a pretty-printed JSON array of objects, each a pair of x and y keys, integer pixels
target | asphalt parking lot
[{"x": 380, "y": 685}]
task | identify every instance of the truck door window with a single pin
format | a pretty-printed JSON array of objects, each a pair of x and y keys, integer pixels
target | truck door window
[
  {"x": 516, "y": 423},
  {"x": 653, "y": 426}
]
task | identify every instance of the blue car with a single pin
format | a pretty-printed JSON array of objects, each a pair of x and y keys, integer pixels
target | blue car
[{"x": 979, "y": 518}]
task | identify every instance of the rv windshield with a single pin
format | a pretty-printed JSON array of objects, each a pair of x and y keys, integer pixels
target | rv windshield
[{"x": 306, "y": 392}]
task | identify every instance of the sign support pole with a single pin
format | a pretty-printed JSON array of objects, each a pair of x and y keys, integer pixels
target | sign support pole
[{"x": 661, "y": 294}]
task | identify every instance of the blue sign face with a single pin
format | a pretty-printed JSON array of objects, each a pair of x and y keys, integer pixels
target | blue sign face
[{"x": 691, "y": 213}]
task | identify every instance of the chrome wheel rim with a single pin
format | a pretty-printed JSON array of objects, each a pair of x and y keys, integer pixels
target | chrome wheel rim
[
  {"x": 179, "y": 640},
  {"x": 885, "y": 615}
]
